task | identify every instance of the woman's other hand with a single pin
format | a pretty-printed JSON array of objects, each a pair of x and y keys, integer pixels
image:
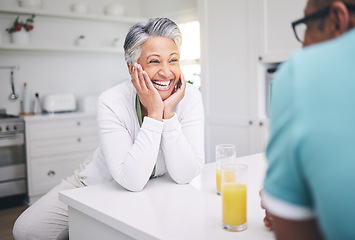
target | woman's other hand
[
  {"x": 171, "y": 102},
  {"x": 148, "y": 95}
]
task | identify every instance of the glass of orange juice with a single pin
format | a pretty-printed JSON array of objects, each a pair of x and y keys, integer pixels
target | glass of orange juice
[
  {"x": 224, "y": 152},
  {"x": 234, "y": 179}
]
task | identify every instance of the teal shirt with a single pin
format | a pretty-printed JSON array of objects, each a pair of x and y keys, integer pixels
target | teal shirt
[{"x": 311, "y": 151}]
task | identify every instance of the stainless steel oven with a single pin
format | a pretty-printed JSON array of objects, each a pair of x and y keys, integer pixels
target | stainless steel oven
[{"x": 12, "y": 157}]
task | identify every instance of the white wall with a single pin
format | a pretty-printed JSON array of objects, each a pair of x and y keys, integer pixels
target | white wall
[
  {"x": 179, "y": 11},
  {"x": 79, "y": 73}
]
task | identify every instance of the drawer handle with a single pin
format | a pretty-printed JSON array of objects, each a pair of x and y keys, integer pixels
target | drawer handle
[
  {"x": 79, "y": 140},
  {"x": 51, "y": 173},
  {"x": 78, "y": 123}
]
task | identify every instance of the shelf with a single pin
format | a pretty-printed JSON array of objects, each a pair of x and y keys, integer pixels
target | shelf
[
  {"x": 62, "y": 49},
  {"x": 83, "y": 16}
]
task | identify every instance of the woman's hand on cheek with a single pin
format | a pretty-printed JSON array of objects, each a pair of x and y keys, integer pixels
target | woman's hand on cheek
[
  {"x": 171, "y": 102},
  {"x": 148, "y": 95}
]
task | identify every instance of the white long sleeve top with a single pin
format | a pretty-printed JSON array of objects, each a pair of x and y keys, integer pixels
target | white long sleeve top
[{"x": 128, "y": 152}]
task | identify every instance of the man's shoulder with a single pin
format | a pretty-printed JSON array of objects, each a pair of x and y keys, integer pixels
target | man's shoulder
[{"x": 326, "y": 52}]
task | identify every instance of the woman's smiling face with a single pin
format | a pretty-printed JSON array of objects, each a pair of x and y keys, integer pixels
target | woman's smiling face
[{"x": 160, "y": 59}]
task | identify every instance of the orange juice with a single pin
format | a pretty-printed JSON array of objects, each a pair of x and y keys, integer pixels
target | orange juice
[
  {"x": 234, "y": 204},
  {"x": 218, "y": 180}
]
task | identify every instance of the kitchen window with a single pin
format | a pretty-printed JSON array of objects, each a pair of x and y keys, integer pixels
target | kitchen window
[{"x": 190, "y": 52}]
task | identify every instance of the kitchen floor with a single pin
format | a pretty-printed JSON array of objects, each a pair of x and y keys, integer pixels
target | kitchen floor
[{"x": 8, "y": 217}]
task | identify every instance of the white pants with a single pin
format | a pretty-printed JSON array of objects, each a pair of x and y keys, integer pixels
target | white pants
[{"x": 47, "y": 218}]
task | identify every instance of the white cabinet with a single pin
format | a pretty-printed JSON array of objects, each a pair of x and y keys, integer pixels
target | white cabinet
[
  {"x": 55, "y": 147},
  {"x": 225, "y": 85},
  {"x": 277, "y": 40},
  {"x": 238, "y": 39}
]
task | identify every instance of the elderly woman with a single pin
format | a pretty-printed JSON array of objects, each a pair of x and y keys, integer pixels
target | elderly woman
[{"x": 148, "y": 126}]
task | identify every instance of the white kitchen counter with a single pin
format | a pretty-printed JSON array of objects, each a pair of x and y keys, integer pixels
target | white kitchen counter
[
  {"x": 56, "y": 116},
  {"x": 164, "y": 209}
]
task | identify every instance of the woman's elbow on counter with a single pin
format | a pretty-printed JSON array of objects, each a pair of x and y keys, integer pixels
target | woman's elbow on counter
[
  {"x": 135, "y": 189},
  {"x": 133, "y": 186},
  {"x": 184, "y": 177}
]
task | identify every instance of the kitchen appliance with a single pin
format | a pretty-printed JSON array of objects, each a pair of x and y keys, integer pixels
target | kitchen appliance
[
  {"x": 62, "y": 102},
  {"x": 13, "y": 183},
  {"x": 88, "y": 103}
]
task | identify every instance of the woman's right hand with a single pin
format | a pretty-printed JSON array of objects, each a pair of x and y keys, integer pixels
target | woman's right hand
[{"x": 148, "y": 95}]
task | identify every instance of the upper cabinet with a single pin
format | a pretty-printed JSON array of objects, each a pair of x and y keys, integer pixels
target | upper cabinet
[{"x": 277, "y": 39}]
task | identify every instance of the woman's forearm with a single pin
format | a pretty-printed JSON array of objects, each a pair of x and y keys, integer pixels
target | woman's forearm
[{"x": 183, "y": 145}]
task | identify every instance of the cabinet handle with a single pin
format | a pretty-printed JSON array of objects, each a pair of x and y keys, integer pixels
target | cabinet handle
[
  {"x": 261, "y": 124},
  {"x": 250, "y": 122},
  {"x": 78, "y": 123},
  {"x": 79, "y": 140},
  {"x": 51, "y": 173}
]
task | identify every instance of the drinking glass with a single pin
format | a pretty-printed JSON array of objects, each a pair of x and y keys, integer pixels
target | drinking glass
[
  {"x": 224, "y": 152},
  {"x": 234, "y": 179}
]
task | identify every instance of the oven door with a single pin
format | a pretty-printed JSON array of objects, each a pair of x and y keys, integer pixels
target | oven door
[{"x": 12, "y": 164}]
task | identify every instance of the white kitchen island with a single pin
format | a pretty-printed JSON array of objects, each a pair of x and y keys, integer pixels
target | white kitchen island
[{"x": 164, "y": 209}]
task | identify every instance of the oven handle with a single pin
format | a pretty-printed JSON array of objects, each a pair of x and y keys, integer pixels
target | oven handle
[
  {"x": 12, "y": 139},
  {"x": 8, "y": 137}
]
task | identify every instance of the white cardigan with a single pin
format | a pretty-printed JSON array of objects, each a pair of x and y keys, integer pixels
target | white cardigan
[{"x": 128, "y": 152}]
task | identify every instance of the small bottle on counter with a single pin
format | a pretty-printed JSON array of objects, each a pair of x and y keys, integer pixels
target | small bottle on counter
[
  {"x": 26, "y": 100},
  {"x": 37, "y": 110}
]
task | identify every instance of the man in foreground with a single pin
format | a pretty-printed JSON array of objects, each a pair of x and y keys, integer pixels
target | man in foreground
[{"x": 309, "y": 187}]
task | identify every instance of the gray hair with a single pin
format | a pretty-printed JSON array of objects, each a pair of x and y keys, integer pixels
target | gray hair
[{"x": 141, "y": 32}]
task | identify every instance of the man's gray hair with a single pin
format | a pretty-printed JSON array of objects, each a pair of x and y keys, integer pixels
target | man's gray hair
[{"x": 141, "y": 32}]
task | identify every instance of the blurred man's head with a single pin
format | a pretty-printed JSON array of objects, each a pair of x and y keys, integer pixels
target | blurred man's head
[{"x": 332, "y": 19}]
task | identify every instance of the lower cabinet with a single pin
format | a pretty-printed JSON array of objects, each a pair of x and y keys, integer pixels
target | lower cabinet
[{"x": 55, "y": 148}]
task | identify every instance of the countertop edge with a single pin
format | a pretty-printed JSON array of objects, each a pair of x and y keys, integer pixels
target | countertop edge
[
  {"x": 110, "y": 221},
  {"x": 56, "y": 116}
]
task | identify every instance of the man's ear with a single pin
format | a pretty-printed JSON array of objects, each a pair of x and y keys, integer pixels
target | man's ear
[{"x": 339, "y": 18}]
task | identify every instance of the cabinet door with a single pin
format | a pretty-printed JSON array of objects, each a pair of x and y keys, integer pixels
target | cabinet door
[
  {"x": 225, "y": 85},
  {"x": 50, "y": 129},
  {"x": 63, "y": 145},
  {"x": 275, "y": 17},
  {"x": 46, "y": 172}
]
